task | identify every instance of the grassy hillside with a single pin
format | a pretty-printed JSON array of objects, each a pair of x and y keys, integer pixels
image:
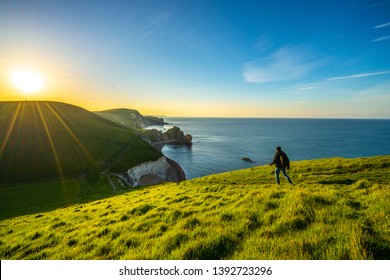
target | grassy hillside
[
  {"x": 53, "y": 154},
  {"x": 337, "y": 209},
  {"x": 129, "y": 118},
  {"x": 51, "y": 140}
]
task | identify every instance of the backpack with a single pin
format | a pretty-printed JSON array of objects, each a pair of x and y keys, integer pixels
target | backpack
[{"x": 284, "y": 160}]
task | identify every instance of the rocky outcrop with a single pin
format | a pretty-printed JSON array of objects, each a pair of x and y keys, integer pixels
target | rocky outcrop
[
  {"x": 151, "y": 120},
  {"x": 152, "y": 172},
  {"x": 173, "y": 135},
  {"x": 248, "y": 160}
]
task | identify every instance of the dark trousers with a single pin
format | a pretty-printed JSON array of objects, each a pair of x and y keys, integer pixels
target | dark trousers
[{"x": 277, "y": 171}]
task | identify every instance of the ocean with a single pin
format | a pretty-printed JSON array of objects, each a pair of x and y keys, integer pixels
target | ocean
[{"x": 219, "y": 144}]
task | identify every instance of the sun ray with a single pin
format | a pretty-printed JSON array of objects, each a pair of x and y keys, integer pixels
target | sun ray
[
  {"x": 102, "y": 49},
  {"x": 78, "y": 142},
  {"x": 50, "y": 138},
  {"x": 11, "y": 127}
]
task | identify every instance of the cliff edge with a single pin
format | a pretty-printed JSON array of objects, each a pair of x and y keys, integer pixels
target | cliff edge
[
  {"x": 152, "y": 172},
  {"x": 130, "y": 118}
]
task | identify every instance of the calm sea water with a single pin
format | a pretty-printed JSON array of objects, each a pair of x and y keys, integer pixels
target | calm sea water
[{"x": 219, "y": 144}]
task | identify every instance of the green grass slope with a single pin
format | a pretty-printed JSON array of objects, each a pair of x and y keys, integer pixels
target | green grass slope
[
  {"x": 337, "y": 209},
  {"x": 125, "y": 117},
  {"x": 53, "y": 154},
  {"x": 129, "y": 118},
  {"x": 51, "y": 140}
]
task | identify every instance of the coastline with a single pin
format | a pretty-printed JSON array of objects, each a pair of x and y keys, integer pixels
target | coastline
[
  {"x": 172, "y": 173},
  {"x": 176, "y": 170},
  {"x": 220, "y": 144},
  {"x": 152, "y": 172},
  {"x": 160, "y": 144}
]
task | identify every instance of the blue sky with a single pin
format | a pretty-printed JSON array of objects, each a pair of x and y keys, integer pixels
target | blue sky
[{"x": 204, "y": 58}]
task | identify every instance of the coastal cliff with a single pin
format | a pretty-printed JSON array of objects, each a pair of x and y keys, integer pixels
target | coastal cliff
[
  {"x": 174, "y": 135},
  {"x": 130, "y": 118},
  {"x": 152, "y": 172}
]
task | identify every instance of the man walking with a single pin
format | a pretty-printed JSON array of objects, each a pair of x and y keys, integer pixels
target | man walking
[{"x": 282, "y": 163}]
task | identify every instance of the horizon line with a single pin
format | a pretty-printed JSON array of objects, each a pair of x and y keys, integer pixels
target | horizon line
[{"x": 210, "y": 117}]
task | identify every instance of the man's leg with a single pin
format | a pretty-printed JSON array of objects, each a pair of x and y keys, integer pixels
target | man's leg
[
  {"x": 277, "y": 171},
  {"x": 285, "y": 175}
]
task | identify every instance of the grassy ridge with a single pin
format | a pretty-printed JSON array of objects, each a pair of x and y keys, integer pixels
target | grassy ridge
[
  {"x": 337, "y": 209},
  {"x": 125, "y": 117},
  {"x": 129, "y": 118},
  {"x": 51, "y": 140}
]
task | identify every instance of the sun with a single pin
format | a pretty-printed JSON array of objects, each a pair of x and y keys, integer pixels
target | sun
[{"x": 27, "y": 81}]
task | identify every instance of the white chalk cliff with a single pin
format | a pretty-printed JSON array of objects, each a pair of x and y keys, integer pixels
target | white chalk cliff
[{"x": 153, "y": 172}]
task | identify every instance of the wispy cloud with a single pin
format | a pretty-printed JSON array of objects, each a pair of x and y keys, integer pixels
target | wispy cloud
[
  {"x": 287, "y": 63},
  {"x": 262, "y": 44},
  {"x": 376, "y": 5},
  {"x": 306, "y": 88},
  {"x": 161, "y": 19},
  {"x": 147, "y": 34},
  {"x": 100, "y": 50},
  {"x": 360, "y": 75},
  {"x": 380, "y": 39},
  {"x": 382, "y": 25}
]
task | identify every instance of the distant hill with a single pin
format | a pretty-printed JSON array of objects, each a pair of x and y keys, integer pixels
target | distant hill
[
  {"x": 337, "y": 209},
  {"x": 52, "y": 140},
  {"x": 130, "y": 118}
]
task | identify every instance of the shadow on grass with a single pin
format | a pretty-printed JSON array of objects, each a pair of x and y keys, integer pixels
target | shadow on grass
[
  {"x": 375, "y": 244},
  {"x": 337, "y": 182},
  {"x": 216, "y": 249}
]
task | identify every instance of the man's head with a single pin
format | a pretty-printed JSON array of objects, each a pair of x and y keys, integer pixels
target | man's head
[{"x": 278, "y": 148}]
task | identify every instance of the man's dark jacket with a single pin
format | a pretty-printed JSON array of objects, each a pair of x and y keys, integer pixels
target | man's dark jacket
[{"x": 278, "y": 162}]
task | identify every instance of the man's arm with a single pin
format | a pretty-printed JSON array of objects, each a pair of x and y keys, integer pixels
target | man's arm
[{"x": 274, "y": 161}]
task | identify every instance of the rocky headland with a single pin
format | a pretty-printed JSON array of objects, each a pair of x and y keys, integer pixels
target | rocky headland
[
  {"x": 130, "y": 118},
  {"x": 173, "y": 135},
  {"x": 151, "y": 172}
]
